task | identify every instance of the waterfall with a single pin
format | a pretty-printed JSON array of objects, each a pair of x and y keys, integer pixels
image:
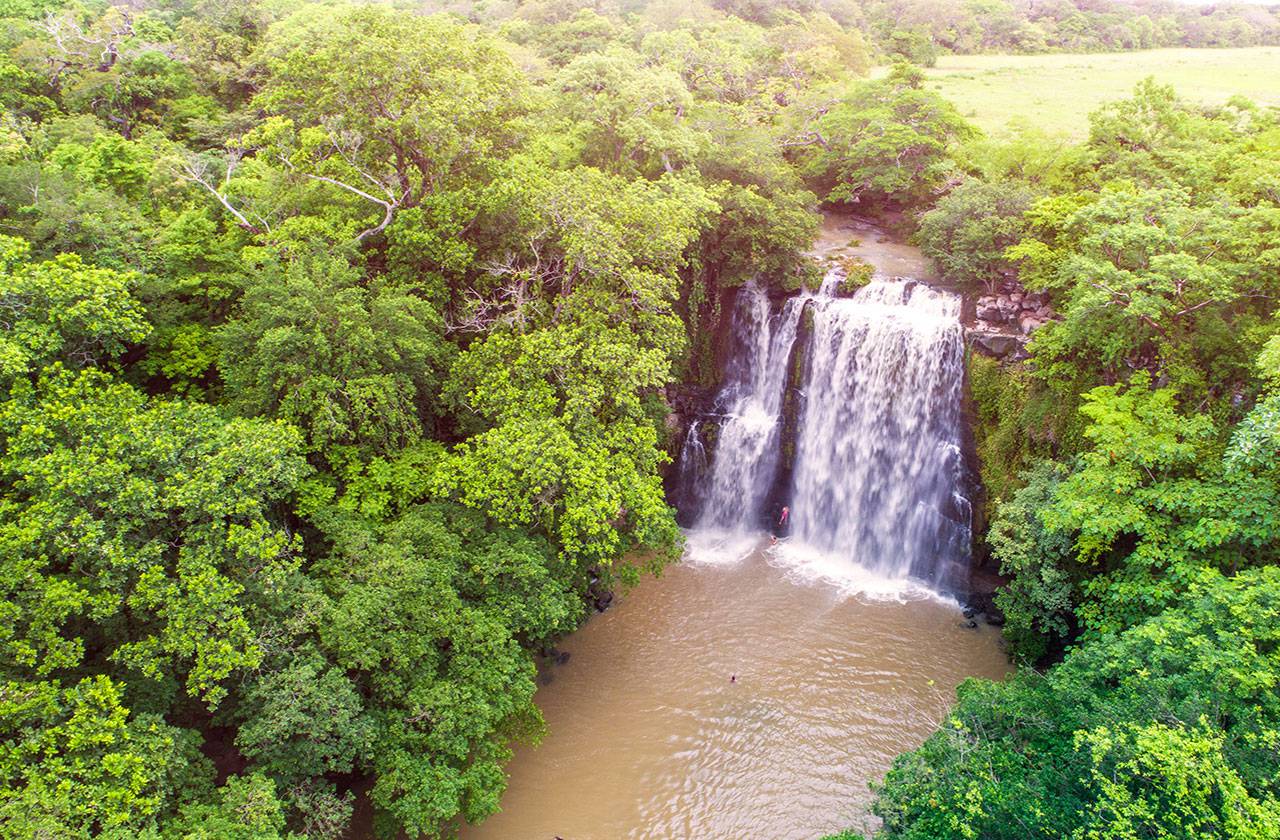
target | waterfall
[
  {"x": 879, "y": 470},
  {"x": 691, "y": 472},
  {"x": 749, "y": 410},
  {"x": 877, "y": 480}
]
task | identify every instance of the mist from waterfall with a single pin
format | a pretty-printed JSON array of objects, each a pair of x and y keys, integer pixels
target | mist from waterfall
[{"x": 876, "y": 481}]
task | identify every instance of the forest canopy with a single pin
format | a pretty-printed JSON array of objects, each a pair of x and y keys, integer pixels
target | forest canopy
[{"x": 338, "y": 345}]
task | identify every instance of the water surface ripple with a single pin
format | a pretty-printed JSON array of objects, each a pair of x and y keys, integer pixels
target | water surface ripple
[{"x": 650, "y": 738}]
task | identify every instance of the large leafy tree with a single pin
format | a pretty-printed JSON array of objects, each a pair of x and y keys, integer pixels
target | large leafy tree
[
  {"x": 581, "y": 330},
  {"x": 1159, "y": 257},
  {"x": 138, "y": 536},
  {"x": 62, "y": 310},
  {"x": 629, "y": 118},
  {"x": 967, "y": 233},
  {"x": 430, "y": 611},
  {"x": 245, "y": 808},
  {"x": 352, "y": 364},
  {"x": 1142, "y": 282},
  {"x": 885, "y": 143},
  {"x": 386, "y": 109},
  {"x": 76, "y": 763},
  {"x": 1149, "y": 509},
  {"x": 1167, "y": 730}
]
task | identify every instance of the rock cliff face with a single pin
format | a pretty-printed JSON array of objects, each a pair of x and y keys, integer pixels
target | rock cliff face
[{"x": 999, "y": 325}]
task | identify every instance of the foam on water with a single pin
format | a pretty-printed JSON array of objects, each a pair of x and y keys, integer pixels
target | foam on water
[
  {"x": 720, "y": 547},
  {"x": 805, "y": 564}
]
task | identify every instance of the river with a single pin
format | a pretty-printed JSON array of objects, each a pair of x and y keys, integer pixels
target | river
[
  {"x": 756, "y": 689},
  {"x": 651, "y": 736}
]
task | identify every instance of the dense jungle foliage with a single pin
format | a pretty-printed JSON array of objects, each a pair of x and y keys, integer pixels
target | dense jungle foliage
[
  {"x": 1133, "y": 468},
  {"x": 334, "y": 344}
]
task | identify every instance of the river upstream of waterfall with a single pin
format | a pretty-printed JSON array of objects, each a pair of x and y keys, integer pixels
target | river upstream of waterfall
[{"x": 755, "y": 689}]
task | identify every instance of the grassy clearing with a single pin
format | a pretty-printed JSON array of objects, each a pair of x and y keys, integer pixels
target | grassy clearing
[{"x": 1057, "y": 92}]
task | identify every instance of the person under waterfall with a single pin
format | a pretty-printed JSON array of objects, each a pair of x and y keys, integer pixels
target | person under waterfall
[{"x": 784, "y": 524}]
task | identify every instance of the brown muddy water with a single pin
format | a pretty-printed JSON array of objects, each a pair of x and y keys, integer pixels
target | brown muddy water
[{"x": 737, "y": 698}]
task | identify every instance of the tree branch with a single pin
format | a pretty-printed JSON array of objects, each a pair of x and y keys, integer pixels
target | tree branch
[
  {"x": 810, "y": 138},
  {"x": 195, "y": 170}
]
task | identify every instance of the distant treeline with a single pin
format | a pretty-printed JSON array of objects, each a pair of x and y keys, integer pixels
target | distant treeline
[{"x": 920, "y": 30}]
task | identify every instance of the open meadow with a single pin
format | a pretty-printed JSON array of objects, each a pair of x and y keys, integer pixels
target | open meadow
[{"x": 1056, "y": 92}]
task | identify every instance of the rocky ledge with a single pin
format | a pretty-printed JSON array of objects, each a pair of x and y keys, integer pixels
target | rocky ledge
[{"x": 1001, "y": 323}]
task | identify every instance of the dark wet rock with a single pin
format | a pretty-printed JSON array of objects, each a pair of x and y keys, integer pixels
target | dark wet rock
[
  {"x": 687, "y": 401},
  {"x": 562, "y": 657},
  {"x": 598, "y": 593},
  {"x": 971, "y": 625},
  {"x": 793, "y": 405},
  {"x": 970, "y": 612},
  {"x": 984, "y": 583}
]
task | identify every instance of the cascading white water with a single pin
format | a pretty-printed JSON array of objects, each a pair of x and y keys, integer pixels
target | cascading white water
[
  {"x": 747, "y": 445},
  {"x": 878, "y": 472}
]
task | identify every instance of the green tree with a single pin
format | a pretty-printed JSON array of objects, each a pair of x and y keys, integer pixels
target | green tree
[
  {"x": 1168, "y": 730},
  {"x": 76, "y": 764},
  {"x": 246, "y": 808},
  {"x": 581, "y": 329},
  {"x": 628, "y": 118},
  {"x": 62, "y": 311},
  {"x": 1141, "y": 284},
  {"x": 304, "y": 718},
  {"x": 386, "y": 109},
  {"x": 352, "y": 363},
  {"x": 1150, "y": 512},
  {"x": 886, "y": 143},
  {"x": 1040, "y": 599},
  {"x": 1168, "y": 781},
  {"x": 136, "y": 535},
  {"x": 968, "y": 231},
  {"x": 429, "y": 611}
]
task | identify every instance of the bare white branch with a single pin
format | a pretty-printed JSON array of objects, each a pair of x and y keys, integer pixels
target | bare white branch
[{"x": 195, "y": 169}]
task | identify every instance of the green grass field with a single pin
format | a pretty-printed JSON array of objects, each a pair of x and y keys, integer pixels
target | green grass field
[{"x": 1057, "y": 92}]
